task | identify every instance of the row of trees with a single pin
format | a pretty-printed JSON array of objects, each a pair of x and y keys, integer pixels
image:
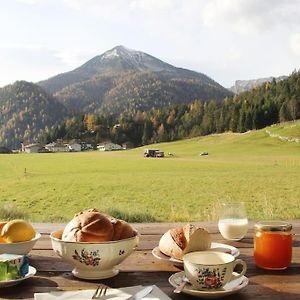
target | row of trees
[{"x": 270, "y": 103}]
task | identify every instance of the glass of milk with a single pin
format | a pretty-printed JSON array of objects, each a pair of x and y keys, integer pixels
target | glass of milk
[{"x": 233, "y": 221}]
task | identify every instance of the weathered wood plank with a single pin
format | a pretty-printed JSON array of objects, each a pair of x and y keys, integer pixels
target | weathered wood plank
[
  {"x": 47, "y": 260},
  {"x": 151, "y": 241},
  {"x": 148, "y": 242},
  {"x": 159, "y": 228}
]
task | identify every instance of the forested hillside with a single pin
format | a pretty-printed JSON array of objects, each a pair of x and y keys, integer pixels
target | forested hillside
[
  {"x": 119, "y": 81},
  {"x": 28, "y": 113},
  {"x": 26, "y": 110},
  {"x": 270, "y": 103}
]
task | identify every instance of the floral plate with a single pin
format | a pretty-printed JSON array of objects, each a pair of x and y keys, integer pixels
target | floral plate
[
  {"x": 31, "y": 272},
  {"x": 230, "y": 288}
]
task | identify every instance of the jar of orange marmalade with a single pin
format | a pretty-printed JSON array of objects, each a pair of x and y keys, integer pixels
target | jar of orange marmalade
[{"x": 273, "y": 245}]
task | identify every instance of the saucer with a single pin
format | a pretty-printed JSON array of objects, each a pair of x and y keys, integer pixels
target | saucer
[
  {"x": 31, "y": 272},
  {"x": 228, "y": 289},
  {"x": 179, "y": 263}
]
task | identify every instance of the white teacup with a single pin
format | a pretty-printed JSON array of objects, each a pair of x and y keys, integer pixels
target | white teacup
[{"x": 210, "y": 270}]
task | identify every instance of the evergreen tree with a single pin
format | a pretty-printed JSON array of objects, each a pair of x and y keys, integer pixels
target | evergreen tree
[
  {"x": 284, "y": 113},
  {"x": 293, "y": 108},
  {"x": 161, "y": 133},
  {"x": 147, "y": 132}
]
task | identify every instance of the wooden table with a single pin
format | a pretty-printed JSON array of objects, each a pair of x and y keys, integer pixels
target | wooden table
[{"x": 142, "y": 268}]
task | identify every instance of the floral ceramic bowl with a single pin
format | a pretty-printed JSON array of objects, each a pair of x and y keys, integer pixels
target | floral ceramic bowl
[{"x": 93, "y": 260}]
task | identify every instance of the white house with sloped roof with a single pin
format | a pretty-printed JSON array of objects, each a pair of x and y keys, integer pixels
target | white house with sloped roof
[{"x": 109, "y": 147}]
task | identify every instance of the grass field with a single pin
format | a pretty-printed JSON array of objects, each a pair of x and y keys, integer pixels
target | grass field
[
  {"x": 289, "y": 129},
  {"x": 262, "y": 171}
]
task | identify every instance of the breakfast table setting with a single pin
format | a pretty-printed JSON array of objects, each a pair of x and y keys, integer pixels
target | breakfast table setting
[{"x": 96, "y": 256}]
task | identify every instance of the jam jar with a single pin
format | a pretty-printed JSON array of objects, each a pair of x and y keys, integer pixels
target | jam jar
[{"x": 273, "y": 245}]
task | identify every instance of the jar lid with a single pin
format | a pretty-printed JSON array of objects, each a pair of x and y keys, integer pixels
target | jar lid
[{"x": 273, "y": 226}]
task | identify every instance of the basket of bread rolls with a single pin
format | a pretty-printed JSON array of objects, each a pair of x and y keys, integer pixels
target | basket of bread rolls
[{"x": 95, "y": 243}]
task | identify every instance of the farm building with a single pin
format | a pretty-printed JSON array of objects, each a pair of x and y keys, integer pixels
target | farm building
[
  {"x": 73, "y": 147},
  {"x": 43, "y": 150},
  {"x": 109, "y": 147},
  {"x": 56, "y": 147},
  {"x": 31, "y": 148},
  {"x": 86, "y": 146}
]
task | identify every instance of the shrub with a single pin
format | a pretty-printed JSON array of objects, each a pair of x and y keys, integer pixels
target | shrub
[
  {"x": 131, "y": 217},
  {"x": 9, "y": 211}
]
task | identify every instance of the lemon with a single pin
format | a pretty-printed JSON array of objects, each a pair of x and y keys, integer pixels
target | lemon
[{"x": 17, "y": 231}]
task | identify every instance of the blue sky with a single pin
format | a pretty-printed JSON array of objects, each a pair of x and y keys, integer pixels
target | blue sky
[{"x": 226, "y": 39}]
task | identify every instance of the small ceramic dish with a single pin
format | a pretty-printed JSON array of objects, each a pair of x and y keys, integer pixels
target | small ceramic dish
[
  {"x": 230, "y": 288},
  {"x": 8, "y": 283},
  {"x": 21, "y": 248}
]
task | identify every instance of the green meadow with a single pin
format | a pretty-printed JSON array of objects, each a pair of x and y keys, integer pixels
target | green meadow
[
  {"x": 290, "y": 129},
  {"x": 263, "y": 172}
]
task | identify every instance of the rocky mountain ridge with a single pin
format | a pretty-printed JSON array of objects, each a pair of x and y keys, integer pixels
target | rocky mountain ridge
[{"x": 241, "y": 86}]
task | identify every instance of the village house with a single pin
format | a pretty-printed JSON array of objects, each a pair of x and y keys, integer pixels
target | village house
[
  {"x": 43, "y": 150},
  {"x": 86, "y": 146},
  {"x": 109, "y": 147},
  {"x": 31, "y": 148},
  {"x": 73, "y": 146},
  {"x": 56, "y": 147}
]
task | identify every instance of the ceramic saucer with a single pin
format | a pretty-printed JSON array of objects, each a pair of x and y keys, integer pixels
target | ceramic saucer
[
  {"x": 228, "y": 289},
  {"x": 31, "y": 272},
  {"x": 177, "y": 262}
]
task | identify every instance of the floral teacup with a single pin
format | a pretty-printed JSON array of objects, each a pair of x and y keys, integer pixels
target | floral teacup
[{"x": 209, "y": 270}]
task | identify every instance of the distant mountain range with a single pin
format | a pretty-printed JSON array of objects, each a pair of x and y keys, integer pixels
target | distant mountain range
[
  {"x": 241, "y": 86},
  {"x": 118, "y": 81}
]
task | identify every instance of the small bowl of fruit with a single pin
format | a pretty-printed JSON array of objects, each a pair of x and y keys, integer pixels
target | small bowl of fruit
[{"x": 17, "y": 237}]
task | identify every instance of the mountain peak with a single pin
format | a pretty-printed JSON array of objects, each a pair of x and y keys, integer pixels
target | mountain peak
[
  {"x": 123, "y": 52},
  {"x": 121, "y": 58},
  {"x": 123, "y": 48},
  {"x": 124, "y": 62},
  {"x": 118, "y": 51}
]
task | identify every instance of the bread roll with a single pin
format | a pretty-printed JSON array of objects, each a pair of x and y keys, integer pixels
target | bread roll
[
  {"x": 89, "y": 226},
  {"x": 122, "y": 230},
  {"x": 179, "y": 241},
  {"x": 94, "y": 226}
]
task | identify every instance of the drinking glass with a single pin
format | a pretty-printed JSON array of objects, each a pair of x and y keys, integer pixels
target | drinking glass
[{"x": 233, "y": 221}]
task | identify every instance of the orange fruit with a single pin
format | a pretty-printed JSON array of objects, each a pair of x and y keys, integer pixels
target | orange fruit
[{"x": 2, "y": 223}]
